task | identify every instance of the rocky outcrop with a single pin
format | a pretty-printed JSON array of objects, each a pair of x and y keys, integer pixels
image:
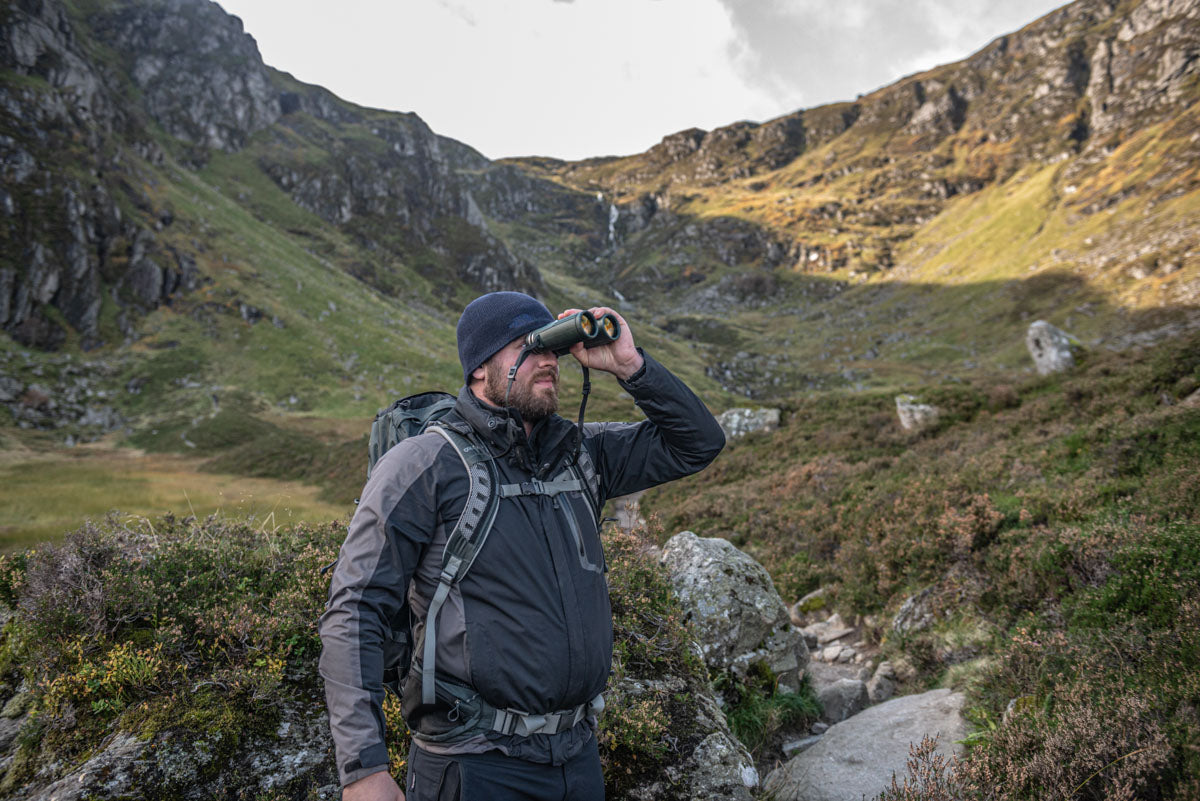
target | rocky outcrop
[
  {"x": 198, "y": 73},
  {"x": 742, "y": 421},
  {"x": 180, "y": 764},
  {"x": 718, "y": 766},
  {"x": 79, "y": 399},
  {"x": 914, "y": 415},
  {"x": 1053, "y": 350},
  {"x": 76, "y": 229},
  {"x": 740, "y": 620},
  {"x": 857, "y": 757}
]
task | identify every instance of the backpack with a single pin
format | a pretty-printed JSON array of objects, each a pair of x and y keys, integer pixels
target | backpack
[{"x": 418, "y": 414}]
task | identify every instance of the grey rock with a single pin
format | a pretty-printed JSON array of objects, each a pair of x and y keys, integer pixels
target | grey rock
[
  {"x": 803, "y": 744},
  {"x": 857, "y": 757},
  {"x": 10, "y": 389},
  {"x": 110, "y": 773},
  {"x": 180, "y": 764},
  {"x": 842, "y": 699},
  {"x": 829, "y": 635},
  {"x": 9, "y": 729},
  {"x": 880, "y": 688},
  {"x": 730, "y": 598},
  {"x": 719, "y": 766},
  {"x": 1052, "y": 349},
  {"x": 810, "y": 605},
  {"x": 742, "y": 421},
  {"x": 916, "y": 613},
  {"x": 914, "y": 415}
]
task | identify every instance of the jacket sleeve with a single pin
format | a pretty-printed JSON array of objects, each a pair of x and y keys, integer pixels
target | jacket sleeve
[
  {"x": 395, "y": 519},
  {"x": 678, "y": 437}
]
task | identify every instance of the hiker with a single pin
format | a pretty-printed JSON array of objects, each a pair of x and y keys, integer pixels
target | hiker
[{"x": 503, "y": 695}]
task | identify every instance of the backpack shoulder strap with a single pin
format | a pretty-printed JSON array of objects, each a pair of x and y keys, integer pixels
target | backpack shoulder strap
[{"x": 464, "y": 542}]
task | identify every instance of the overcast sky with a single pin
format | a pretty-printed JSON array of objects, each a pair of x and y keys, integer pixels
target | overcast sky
[{"x": 578, "y": 78}]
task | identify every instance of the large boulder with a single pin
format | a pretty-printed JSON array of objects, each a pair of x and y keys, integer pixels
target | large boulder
[
  {"x": 858, "y": 756},
  {"x": 914, "y": 415},
  {"x": 740, "y": 422},
  {"x": 1053, "y": 350},
  {"x": 740, "y": 619}
]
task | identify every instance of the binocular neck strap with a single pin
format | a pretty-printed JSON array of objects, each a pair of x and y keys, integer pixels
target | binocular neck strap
[
  {"x": 512, "y": 371},
  {"x": 587, "y": 387}
]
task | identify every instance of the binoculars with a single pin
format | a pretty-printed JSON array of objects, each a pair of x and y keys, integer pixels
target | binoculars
[{"x": 560, "y": 335}]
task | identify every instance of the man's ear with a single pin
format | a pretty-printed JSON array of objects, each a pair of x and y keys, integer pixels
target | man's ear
[{"x": 479, "y": 373}]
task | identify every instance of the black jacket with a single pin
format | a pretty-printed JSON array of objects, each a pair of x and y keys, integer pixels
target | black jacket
[{"x": 530, "y": 626}]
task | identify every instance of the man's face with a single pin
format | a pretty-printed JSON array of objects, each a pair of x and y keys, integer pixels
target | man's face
[{"x": 535, "y": 390}]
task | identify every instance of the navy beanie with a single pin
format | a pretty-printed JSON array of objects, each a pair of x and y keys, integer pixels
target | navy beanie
[{"x": 493, "y": 320}]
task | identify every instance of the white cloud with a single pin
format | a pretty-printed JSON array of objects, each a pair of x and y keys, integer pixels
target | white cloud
[{"x": 593, "y": 77}]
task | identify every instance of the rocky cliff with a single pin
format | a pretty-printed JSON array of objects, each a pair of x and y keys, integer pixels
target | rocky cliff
[
  {"x": 1096, "y": 101},
  {"x": 98, "y": 100}
]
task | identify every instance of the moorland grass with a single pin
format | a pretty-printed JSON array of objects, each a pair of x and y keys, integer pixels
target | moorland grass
[
  {"x": 1055, "y": 523},
  {"x": 44, "y": 495}
]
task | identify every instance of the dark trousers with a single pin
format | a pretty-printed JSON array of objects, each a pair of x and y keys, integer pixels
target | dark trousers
[{"x": 492, "y": 776}]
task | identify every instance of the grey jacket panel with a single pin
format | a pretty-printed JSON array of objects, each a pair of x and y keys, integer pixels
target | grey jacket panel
[
  {"x": 396, "y": 516},
  {"x": 529, "y": 627}
]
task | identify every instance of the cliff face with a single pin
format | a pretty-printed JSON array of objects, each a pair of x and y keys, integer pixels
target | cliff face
[
  {"x": 848, "y": 188},
  {"x": 97, "y": 98}
]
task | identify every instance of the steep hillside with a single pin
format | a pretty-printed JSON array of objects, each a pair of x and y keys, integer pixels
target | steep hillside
[
  {"x": 1052, "y": 174},
  {"x": 189, "y": 237}
]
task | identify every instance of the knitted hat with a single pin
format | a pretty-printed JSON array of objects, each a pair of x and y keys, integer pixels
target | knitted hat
[{"x": 493, "y": 320}]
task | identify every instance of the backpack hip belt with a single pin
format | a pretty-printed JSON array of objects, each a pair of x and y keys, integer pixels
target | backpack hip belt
[{"x": 470, "y": 716}]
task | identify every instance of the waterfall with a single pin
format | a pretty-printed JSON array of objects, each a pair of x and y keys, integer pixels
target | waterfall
[{"x": 613, "y": 214}]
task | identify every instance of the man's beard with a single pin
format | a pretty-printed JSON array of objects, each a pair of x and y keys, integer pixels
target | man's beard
[{"x": 534, "y": 403}]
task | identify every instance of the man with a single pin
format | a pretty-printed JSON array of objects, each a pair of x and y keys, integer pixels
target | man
[{"x": 523, "y": 642}]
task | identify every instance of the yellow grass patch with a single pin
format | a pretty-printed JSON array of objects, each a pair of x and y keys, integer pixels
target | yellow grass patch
[{"x": 45, "y": 495}]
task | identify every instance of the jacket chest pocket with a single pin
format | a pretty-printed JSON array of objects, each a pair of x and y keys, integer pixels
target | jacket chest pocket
[{"x": 583, "y": 531}]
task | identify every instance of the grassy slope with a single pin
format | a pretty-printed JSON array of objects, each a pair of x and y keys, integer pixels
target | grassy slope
[{"x": 1052, "y": 521}]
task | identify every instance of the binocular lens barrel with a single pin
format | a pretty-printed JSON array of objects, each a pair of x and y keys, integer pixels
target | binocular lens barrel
[
  {"x": 610, "y": 331},
  {"x": 560, "y": 335}
]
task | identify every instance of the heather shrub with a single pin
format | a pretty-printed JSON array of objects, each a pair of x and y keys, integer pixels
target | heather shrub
[
  {"x": 205, "y": 628},
  {"x": 650, "y": 713}
]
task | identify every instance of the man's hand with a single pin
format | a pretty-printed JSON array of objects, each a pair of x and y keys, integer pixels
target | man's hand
[
  {"x": 620, "y": 358},
  {"x": 376, "y": 787}
]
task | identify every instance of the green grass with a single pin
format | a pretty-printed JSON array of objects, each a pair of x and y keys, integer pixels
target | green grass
[{"x": 43, "y": 496}]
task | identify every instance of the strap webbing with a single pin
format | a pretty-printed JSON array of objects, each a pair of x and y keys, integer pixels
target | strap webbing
[
  {"x": 513, "y": 721},
  {"x": 462, "y": 545},
  {"x": 429, "y": 654},
  {"x": 536, "y": 487}
]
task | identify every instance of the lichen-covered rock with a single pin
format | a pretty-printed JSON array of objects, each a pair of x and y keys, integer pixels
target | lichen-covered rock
[
  {"x": 185, "y": 765},
  {"x": 916, "y": 613},
  {"x": 741, "y": 421},
  {"x": 740, "y": 619},
  {"x": 914, "y": 415},
  {"x": 719, "y": 766},
  {"x": 1053, "y": 350}
]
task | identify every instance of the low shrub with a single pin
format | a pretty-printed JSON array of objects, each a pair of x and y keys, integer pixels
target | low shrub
[{"x": 207, "y": 629}]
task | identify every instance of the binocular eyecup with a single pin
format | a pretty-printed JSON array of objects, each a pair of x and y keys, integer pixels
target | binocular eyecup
[{"x": 560, "y": 335}]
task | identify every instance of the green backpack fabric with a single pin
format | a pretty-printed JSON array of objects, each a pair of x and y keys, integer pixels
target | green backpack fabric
[{"x": 405, "y": 418}]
